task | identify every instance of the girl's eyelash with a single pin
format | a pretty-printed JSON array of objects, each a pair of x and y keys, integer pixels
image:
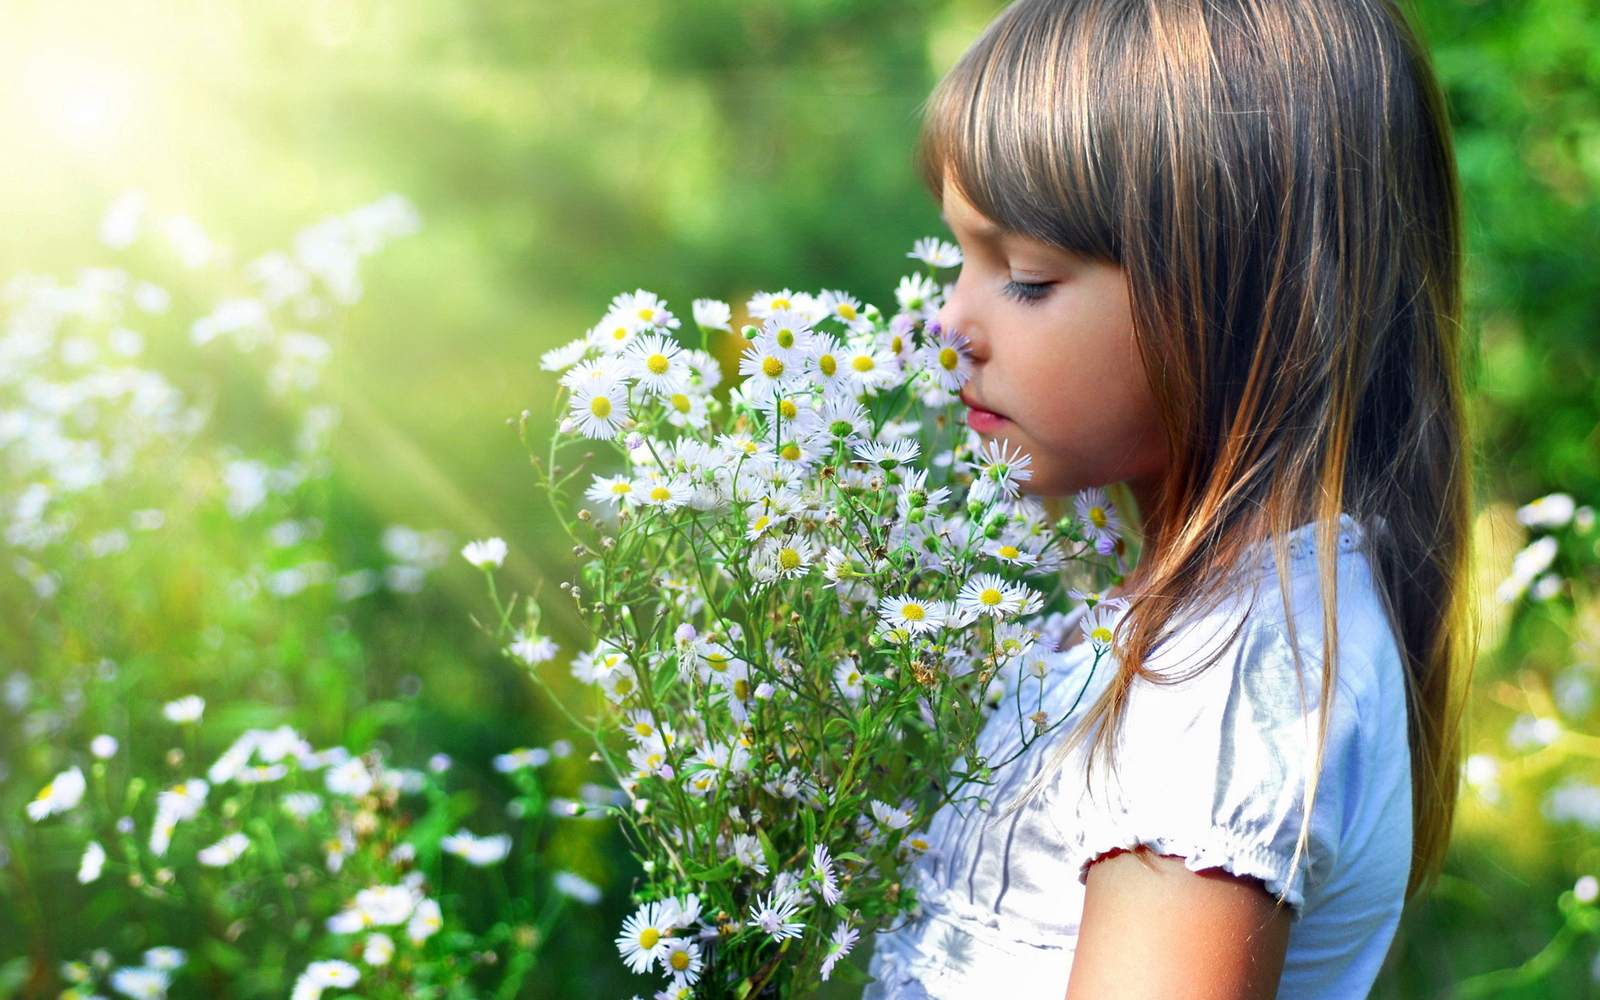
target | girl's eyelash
[{"x": 1028, "y": 291}]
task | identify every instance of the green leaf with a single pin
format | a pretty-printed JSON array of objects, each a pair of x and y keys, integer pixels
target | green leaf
[{"x": 717, "y": 874}]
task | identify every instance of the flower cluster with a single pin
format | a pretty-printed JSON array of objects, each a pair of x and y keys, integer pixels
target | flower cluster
[{"x": 808, "y": 591}]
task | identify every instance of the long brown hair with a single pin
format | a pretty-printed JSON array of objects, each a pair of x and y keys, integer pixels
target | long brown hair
[{"x": 1276, "y": 179}]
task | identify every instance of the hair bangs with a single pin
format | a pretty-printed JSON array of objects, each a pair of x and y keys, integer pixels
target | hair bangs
[{"x": 1020, "y": 126}]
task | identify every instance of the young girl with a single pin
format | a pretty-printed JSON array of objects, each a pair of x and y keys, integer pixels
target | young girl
[{"x": 1211, "y": 251}]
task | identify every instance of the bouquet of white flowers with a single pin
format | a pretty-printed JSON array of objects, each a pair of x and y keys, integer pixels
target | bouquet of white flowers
[{"x": 800, "y": 624}]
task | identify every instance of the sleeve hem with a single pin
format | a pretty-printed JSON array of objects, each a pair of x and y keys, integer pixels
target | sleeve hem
[{"x": 1215, "y": 848}]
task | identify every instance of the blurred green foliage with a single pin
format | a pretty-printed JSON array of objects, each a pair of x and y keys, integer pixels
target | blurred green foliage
[{"x": 563, "y": 152}]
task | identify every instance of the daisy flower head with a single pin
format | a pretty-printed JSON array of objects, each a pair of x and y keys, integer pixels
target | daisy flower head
[
  {"x": 1102, "y": 525},
  {"x": 63, "y": 792},
  {"x": 616, "y": 330},
  {"x": 947, "y": 358},
  {"x": 998, "y": 470},
  {"x": 592, "y": 371},
  {"x": 486, "y": 553},
  {"x": 1012, "y": 552},
  {"x": 657, "y": 363},
  {"x": 893, "y": 817},
  {"x": 988, "y": 594},
  {"x": 710, "y": 314},
  {"x": 187, "y": 709},
  {"x": 775, "y": 914},
  {"x": 889, "y": 455},
  {"x": 844, "y": 308},
  {"x": 839, "y": 418},
  {"x": 767, "y": 372},
  {"x": 619, "y": 491},
  {"x": 1012, "y": 640},
  {"x": 643, "y": 937},
  {"x": 600, "y": 409},
  {"x": 915, "y": 499},
  {"x": 319, "y": 976},
  {"x": 141, "y": 983},
  {"x": 912, "y": 614},
  {"x": 1100, "y": 623},
  {"x": 787, "y": 333},
  {"x": 688, "y": 409},
  {"x": 89, "y": 865},
  {"x": 665, "y": 492},
  {"x": 935, "y": 252},
  {"x": 646, "y": 307},
  {"x": 847, "y": 675},
  {"x": 827, "y": 878},
  {"x": 843, "y": 939},
  {"x": 919, "y": 295},
  {"x": 560, "y": 358},
  {"x": 680, "y": 957},
  {"x": 764, "y": 304},
  {"x": 788, "y": 557},
  {"x": 897, "y": 338},
  {"x": 870, "y": 367}
]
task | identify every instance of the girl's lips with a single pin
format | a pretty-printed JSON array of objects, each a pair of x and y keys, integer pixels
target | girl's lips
[{"x": 985, "y": 421}]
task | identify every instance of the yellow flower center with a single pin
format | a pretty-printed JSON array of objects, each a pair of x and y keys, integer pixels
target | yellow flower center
[
  {"x": 787, "y": 409},
  {"x": 621, "y": 489},
  {"x": 919, "y": 844},
  {"x": 649, "y": 936},
  {"x": 760, "y": 523},
  {"x": 790, "y": 451},
  {"x": 679, "y": 961},
  {"x": 44, "y": 793},
  {"x": 896, "y": 343},
  {"x": 741, "y": 689},
  {"x": 771, "y": 367},
  {"x": 717, "y": 662},
  {"x": 782, "y": 304},
  {"x": 785, "y": 338},
  {"x": 750, "y": 447},
  {"x": 990, "y": 597},
  {"x": 1097, "y": 517},
  {"x": 863, "y": 363},
  {"x": 680, "y": 402},
  {"x": 620, "y": 333},
  {"x": 913, "y": 613},
  {"x": 624, "y": 685},
  {"x": 643, "y": 728},
  {"x": 646, "y": 314},
  {"x": 658, "y": 364},
  {"x": 948, "y": 359},
  {"x": 1010, "y": 647},
  {"x": 1100, "y": 634},
  {"x": 661, "y": 494},
  {"x": 788, "y": 559},
  {"x": 827, "y": 364},
  {"x": 600, "y": 406},
  {"x": 845, "y": 310},
  {"x": 1009, "y": 552}
]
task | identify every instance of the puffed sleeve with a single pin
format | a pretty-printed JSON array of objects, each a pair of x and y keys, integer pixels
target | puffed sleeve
[{"x": 1213, "y": 766}]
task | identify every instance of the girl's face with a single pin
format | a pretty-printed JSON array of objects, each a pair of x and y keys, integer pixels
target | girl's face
[{"x": 1057, "y": 371}]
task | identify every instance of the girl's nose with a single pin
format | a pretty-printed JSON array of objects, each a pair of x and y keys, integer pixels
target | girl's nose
[{"x": 955, "y": 315}]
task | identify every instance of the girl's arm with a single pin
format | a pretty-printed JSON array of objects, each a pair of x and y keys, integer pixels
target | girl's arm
[{"x": 1154, "y": 930}]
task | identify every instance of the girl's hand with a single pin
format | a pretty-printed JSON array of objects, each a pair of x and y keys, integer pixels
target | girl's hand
[{"x": 1154, "y": 929}]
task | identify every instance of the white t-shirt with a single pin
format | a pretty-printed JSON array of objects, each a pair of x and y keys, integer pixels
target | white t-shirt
[{"x": 1214, "y": 769}]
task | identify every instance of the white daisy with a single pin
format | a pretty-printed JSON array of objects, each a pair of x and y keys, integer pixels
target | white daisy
[
  {"x": 426, "y": 921},
  {"x": 988, "y": 594},
  {"x": 592, "y": 371},
  {"x": 935, "y": 252},
  {"x": 643, "y": 937},
  {"x": 919, "y": 295},
  {"x": 839, "y": 418},
  {"x": 1012, "y": 640},
  {"x": 948, "y": 360},
  {"x": 93, "y": 860},
  {"x": 187, "y": 709},
  {"x": 488, "y": 553},
  {"x": 646, "y": 307},
  {"x": 998, "y": 470},
  {"x": 1100, "y": 623},
  {"x": 787, "y": 334},
  {"x": 320, "y": 976},
  {"x": 844, "y": 308},
  {"x": 870, "y": 367},
  {"x": 685, "y": 409},
  {"x": 1012, "y": 552},
  {"x": 890, "y": 816},
  {"x": 847, "y": 675},
  {"x": 913, "y": 614},
  {"x": 600, "y": 409},
  {"x": 64, "y": 792},
  {"x": 843, "y": 939},
  {"x": 915, "y": 497},
  {"x": 775, "y": 915},
  {"x": 140, "y": 983},
  {"x": 822, "y": 866},
  {"x": 616, "y": 330},
  {"x": 710, "y": 314},
  {"x": 764, "y": 304},
  {"x": 767, "y": 373},
  {"x": 706, "y": 368},
  {"x": 1102, "y": 525},
  {"x": 665, "y": 492},
  {"x": 897, "y": 338},
  {"x": 890, "y": 455},
  {"x": 790, "y": 556},
  {"x": 563, "y": 357},
  {"x": 378, "y": 949},
  {"x": 657, "y": 363},
  {"x": 681, "y": 959},
  {"x": 224, "y": 852},
  {"x": 479, "y": 852},
  {"x": 617, "y": 490}
]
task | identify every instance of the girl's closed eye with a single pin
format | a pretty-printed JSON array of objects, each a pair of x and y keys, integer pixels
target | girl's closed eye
[{"x": 1028, "y": 291}]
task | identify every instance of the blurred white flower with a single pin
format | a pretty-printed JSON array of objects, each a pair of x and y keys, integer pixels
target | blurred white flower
[
  {"x": 93, "y": 860},
  {"x": 120, "y": 225},
  {"x": 64, "y": 792},
  {"x": 1526, "y": 566},
  {"x": 1548, "y": 512},
  {"x": 518, "y": 759},
  {"x": 165, "y": 958},
  {"x": 378, "y": 906},
  {"x": 710, "y": 314},
  {"x": 140, "y": 983},
  {"x": 320, "y": 976},
  {"x": 477, "y": 851},
  {"x": 350, "y": 778},
  {"x": 426, "y": 920},
  {"x": 187, "y": 709},
  {"x": 489, "y": 553},
  {"x": 378, "y": 949},
  {"x": 103, "y": 746},
  {"x": 1586, "y": 889},
  {"x": 576, "y": 887},
  {"x": 301, "y": 805},
  {"x": 224, "y": 852},
  {"x": 935, "y": 252}
]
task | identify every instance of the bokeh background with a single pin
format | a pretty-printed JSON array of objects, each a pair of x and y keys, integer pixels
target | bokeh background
[{"x": 559, "y": 153}]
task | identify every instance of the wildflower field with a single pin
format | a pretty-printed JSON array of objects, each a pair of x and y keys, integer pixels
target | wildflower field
[{"x": 299, "y": 693}]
